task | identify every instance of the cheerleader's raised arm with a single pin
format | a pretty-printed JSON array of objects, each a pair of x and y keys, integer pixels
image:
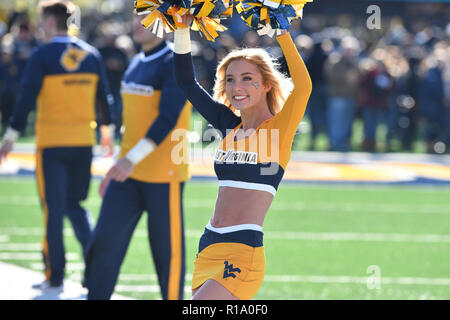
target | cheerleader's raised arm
[{"x": 294, "y": 108}]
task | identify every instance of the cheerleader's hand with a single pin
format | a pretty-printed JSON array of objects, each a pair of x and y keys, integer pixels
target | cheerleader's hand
[
  {"x": 187, "y": 19},
  {"x": 121, "y": 170}
]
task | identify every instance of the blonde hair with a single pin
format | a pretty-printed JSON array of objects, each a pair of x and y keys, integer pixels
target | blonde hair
[{"x": 281, "y": 85}]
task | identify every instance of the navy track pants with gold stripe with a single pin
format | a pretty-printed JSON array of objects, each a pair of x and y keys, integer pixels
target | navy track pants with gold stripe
[
  {"x": 63, "y": 176},
  {"x": 121, "y": 210}
]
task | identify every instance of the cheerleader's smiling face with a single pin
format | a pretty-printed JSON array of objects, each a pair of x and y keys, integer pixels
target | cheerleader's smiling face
[{"x": 245, "y": 87}]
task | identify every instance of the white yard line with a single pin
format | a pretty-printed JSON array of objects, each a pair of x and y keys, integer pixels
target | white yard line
[
  {"x": 284, "y": 235},
  {"x": 290, "y": 279},
  {"x": 19, "y": 200},
  {"x": 358, "y": 280},
  {"x": 278, "y": 205},
  {"x": 20, "y": 247},
  {"x": 355, "y": 236},
  {"x": 31, "y": 256},
  {"x": 24, "y": 231},
  {"x": 341, "y": 236}
]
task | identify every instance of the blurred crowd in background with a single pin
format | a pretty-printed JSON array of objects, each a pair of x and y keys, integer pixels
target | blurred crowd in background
[{"x": 396, "y": 77}]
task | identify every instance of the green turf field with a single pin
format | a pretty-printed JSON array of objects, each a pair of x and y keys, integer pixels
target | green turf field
[{"x": 319, "y": 239}]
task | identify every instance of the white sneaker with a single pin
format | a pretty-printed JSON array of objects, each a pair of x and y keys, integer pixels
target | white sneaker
[{"x": 46, "y": 286}]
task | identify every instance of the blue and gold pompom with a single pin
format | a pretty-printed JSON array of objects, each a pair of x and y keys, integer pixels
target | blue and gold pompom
[
  {"x": 268, "y": 16},
  {"x": 165, "y": 15}
]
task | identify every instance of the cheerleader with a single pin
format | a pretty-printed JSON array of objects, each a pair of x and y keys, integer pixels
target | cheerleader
[{"x": 250, "y": 162}]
